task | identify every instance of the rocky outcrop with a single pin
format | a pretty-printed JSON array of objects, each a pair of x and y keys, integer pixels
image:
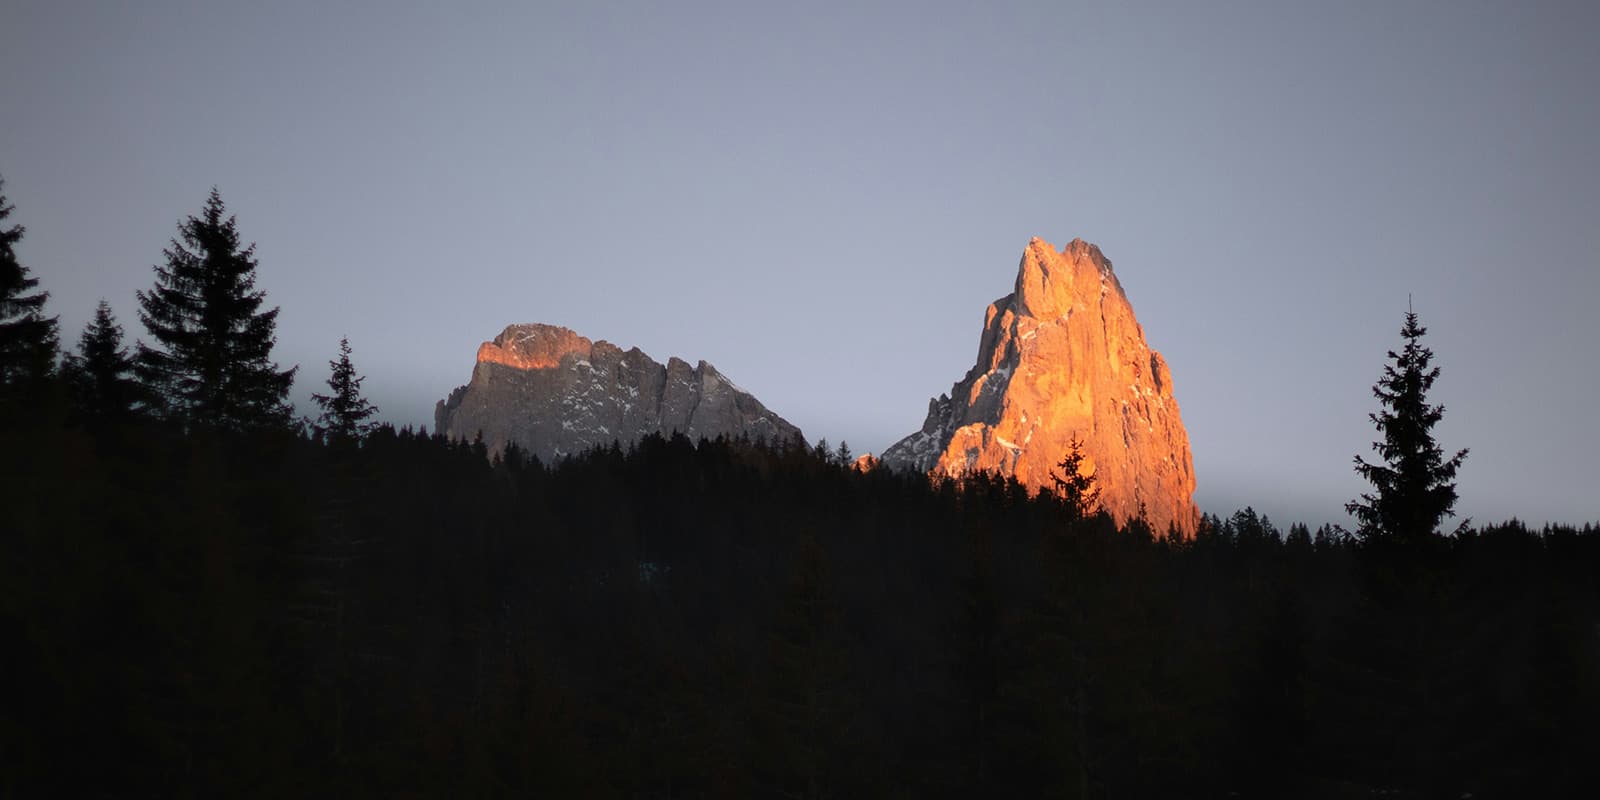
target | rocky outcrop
[
  {"x": 1061, "y": 359},
  {"x": 556, "y": 393}
]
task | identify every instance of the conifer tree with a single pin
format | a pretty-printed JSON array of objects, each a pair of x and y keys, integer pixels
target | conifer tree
[
  {"x": 28, "y": 339},
  {"x": 344, "y": 412},
  {"x": 1299, "y": 537},
  {"x": 100, "y": 373},
  {"x": 1414, "y": 486},
  {"x": 1075, "y": 488},
  {"x": 211, "y": 363}
]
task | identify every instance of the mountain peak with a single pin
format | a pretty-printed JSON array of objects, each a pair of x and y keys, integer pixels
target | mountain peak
[
  {"x": 1060, "y": 359},
  {"x": 533, "y": 346},
  {"x": 1079, "y": 249},
  {"x": 1049, "y": 281},
  {"x": 556, "y": 393}
]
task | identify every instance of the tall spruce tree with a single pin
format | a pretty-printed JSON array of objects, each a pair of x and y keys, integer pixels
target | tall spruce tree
[
  {"x": 344, "y": 412},
  {"x": 100, "y": 373},
  {"x": 1075, "y": 489},
  {"x": 1414, "y": 486},
  {"x": 211, "y": 363},
  {"x": 28, "y": 339}
]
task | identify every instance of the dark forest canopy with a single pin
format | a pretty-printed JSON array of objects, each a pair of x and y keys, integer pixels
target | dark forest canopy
[
  {"x": 224, "y": 614},
  {"x": 199, "y": 597}
]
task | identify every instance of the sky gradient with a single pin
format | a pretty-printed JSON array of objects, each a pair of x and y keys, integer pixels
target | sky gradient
[{"x": 821, "y": 200}]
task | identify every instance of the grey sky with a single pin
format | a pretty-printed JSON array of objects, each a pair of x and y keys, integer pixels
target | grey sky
[{"x": 822, "y": 200}]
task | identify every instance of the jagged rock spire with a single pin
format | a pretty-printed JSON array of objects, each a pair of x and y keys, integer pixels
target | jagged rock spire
[{"x": 1062, "y": 358}]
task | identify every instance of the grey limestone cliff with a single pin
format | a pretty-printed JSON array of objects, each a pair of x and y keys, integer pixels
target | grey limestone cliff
[{"x": 556, "y": 393}]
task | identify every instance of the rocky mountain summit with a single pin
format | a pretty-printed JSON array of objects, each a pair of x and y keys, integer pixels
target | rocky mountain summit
[
  {"x": 556, "y": 393},
  {"x": 1062, "y": 358}
]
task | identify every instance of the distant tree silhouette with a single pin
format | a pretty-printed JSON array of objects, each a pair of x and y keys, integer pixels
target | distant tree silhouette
[
  {"x": 1299, "y": 537},
  {"x": 1247, "y": 527},
  {"x": 100, "y": 373},
  {"x": 211, "y": 363},
  {"x": 1414, "y": 487},
  {"x": 344, "y": 412},
  {"x": 28, "y": 339},
  {"x": 822, "y": 451},
  {"x": 1073, "y": 486}
]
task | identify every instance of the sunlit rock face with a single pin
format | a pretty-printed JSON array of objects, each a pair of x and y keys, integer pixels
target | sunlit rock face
[
  {"x": 556, "y": 393},
  {"x": 1062, "y": 357}
]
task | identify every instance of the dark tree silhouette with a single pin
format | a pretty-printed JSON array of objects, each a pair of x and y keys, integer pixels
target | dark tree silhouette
[
  {"x": 28, "y": 339},
  {"x": 344, "y": 412},
  {"x": 211, "y": 364},
  {"x": 1075, "y": 488},
  {"x": 100, "y": 373},
  {"x": 1414, "y": 487}
]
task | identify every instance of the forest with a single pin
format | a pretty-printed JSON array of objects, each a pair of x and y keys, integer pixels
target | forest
[{"x": 205, "y": 594}]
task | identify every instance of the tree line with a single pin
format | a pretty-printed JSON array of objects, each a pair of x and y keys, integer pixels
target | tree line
[
  {"x": 208, "y": 362},
  {"x": 203, "y": 596}
]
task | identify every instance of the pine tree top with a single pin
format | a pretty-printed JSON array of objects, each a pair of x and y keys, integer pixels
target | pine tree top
[
  {"x": 28, "y": 339},
  {"x": 211, "y": 358},
  {"x": 345, "y": 413},
  {"x": 100, "y": 372},
  {"x": 1414, "y": 485},
  {"x": 14, "y": 278}
]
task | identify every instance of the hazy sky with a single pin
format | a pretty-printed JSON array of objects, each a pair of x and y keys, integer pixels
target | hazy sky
[{"x": 822, "y": 200}]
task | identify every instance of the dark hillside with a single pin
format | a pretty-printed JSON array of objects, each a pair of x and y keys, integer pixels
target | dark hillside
[{"x": 242, "y": 614}]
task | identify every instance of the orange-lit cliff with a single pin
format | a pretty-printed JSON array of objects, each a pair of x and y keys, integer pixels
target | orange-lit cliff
[{"x": 1061, "y": 358}]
